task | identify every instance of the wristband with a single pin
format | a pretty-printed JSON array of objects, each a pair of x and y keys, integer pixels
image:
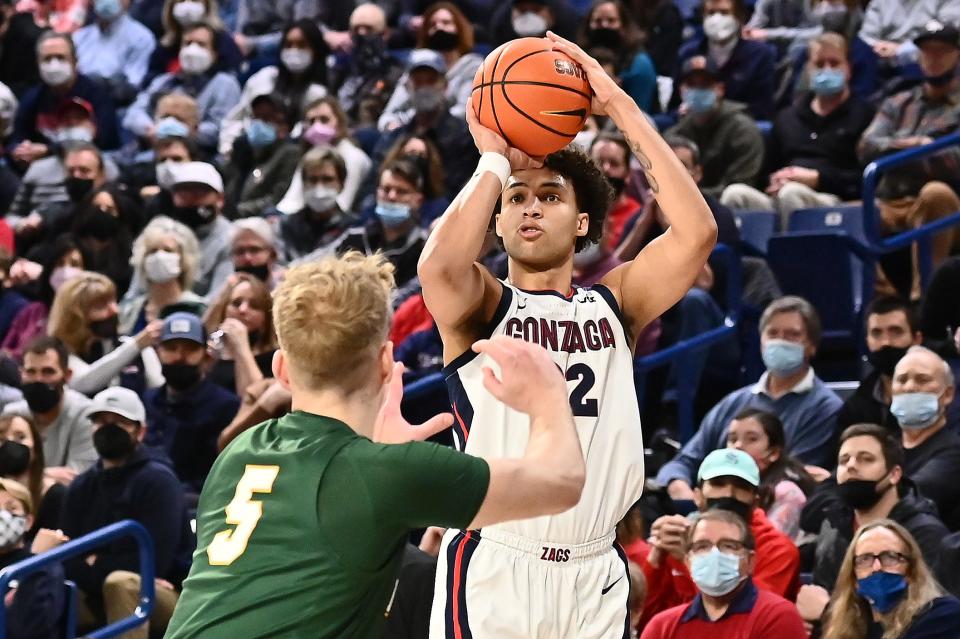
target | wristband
[{"x": 497, "y": 164}]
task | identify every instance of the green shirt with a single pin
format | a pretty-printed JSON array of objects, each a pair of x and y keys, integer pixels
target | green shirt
[{"x": 302, "y": 524}]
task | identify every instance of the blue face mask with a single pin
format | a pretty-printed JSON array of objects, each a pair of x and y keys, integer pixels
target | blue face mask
[
  {"x": 883, "y": 590},
  {"x": 700, "y": 100},
  {"x": 107, "y": 9},
  {"x": 829, "y": 82},
  {"x": 916, "y": 410},
  {"x": 715, "y": 573},
  {"x": 170, "y": 127},
  {"x": 261, "y": 134},
  {"x": 782, "y": 357},
  {"x": 392, "y": 214}
]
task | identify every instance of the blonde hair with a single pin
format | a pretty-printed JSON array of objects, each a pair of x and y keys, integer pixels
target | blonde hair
[
  {"x": 849, "y": 612},
  {"x": 215, "y": 315},
  {"x": 68, "y": 314},
  {"x": 19, "y": 492},
  {"x": 832, "y": 40},
  {"x": 331, "y": 318},
  {"x": 182, "y": 103},
  {"x": 172, "y": 31},
  {"x": 154, "y": 233}
]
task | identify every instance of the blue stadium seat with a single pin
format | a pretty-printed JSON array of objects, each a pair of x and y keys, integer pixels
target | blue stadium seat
[
  {"x": 846, "y": 218},
  {"x": 756, "y": 228}
]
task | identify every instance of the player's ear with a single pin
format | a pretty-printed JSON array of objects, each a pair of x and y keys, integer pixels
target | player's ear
[
  {"x": 583, "y": 224},
  {"x": 496, "y": 225},
  {"x": 386, "y": 362},
  {"x": 279, "y": 368}
]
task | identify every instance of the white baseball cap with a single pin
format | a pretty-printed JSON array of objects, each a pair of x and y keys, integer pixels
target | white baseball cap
[
  {"x": 195, "y": 173},
  {"x": 119, "y": 401}
]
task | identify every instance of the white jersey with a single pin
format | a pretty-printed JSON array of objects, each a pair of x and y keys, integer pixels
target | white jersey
[{"x": 586, "y": 337}]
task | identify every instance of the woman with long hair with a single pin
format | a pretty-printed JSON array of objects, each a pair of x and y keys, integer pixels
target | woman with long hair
[
  {"x": 178, "y": 15},
  {"x": 422, "y": 151},
  {"x": 22, "y": 460},
  {"x": 886, "y": 591},
  {"x": 104, "y": 226}
]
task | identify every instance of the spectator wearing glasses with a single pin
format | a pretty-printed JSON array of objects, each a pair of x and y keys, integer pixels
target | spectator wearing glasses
[{"x": 254, "y": 249}]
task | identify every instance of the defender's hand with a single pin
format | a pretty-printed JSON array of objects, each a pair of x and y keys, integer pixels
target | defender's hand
[{"x": 392, "y": 428}]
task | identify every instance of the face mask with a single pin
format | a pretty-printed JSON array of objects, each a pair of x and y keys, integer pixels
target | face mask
[
  {"x": 112, "y": 442},
  {"x": 529, "y": 24},
  {"x": 618, "y": 184},
  {"x": 193, "y": 216},
  {"x": 369, "y": 51},
  {"x": 915, "y": 411},
  {"x": 744, "y": 511},
  {"x": 719, "y": 27},
  {"x": 55, "y": 72},
  {"x": 100, "y": 225},
  {"x": 259, "y": 271},
  {"x": 782, "y": 357},
  {"x": 860, "y": 494},
  {"x": 700, "y": 101},
  {"x": 296, "y": 60},
  {"x": 392, "y": 214},
  {"x": 318, "y": 134},
  {"x": 188, "y": 12},
  {"x": 441, "y": 40},
  {"x": 321, "y": 198},
  {"x": 165, "y": 174},
  {"x": 591, "y": 254},
  {"x": 260, "y": 134},
  {"x": 607, "y": 38},
  {"x": 715, "y": 573},
  {"x": 42, "y": 398},
  {"x": 63, "y": 274},
  {"x": 12, "y": 528},
  {"x": 78, "y": 188},
  {"x": 883, "y": 590},
  {"x": 181, "y": 377},
  {"x": 161, "y": 266},
  {"x": 170, "y": 127},
  {"x": 195, "y": 59},
  {"x": 105, "y": 328},
  {"x": 829, "y": 82},
  {"x": 427, "y": 100},
  {"x": 107, "y": 9},
  {"x": 940, "y": 80},
  {"x": 74, "y": 134},
  {"x": 14, "y": 458},
  {"x": 885, "y": 360}
]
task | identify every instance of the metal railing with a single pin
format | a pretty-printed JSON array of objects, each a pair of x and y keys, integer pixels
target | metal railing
[{"x": 125, "y": 528}]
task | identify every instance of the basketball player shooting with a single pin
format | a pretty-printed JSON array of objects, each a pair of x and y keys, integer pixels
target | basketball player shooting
[{"x": 560, "y": 575}]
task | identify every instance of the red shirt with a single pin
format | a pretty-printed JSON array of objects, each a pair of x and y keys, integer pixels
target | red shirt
[
  {"x": 623, "y": 209},
  {"x": 411, "y": 316},
  {"x": 753, "y": 614}
]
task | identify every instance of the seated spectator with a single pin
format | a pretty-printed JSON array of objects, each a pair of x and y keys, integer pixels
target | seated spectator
[
  {"x": 939, "y": 313},
  {"x": 420, "y": 150},
  {"x": 594, "y": 261},
  {"x": 891, "y": 328},
  {"x": 241, "y": 321},
  {"x": 126, "y": 483},
  {"x": 186, "y": 414},
  {"x": 447, "y": 32},
  {"x": 297, "y": 82},
  {"x": 259, "y": 28},
  {"x": 65, "y": 16},
  {"x": 150, "y": 178},
  {"x": 923, "y": 388},
  {"x": 18, "y": 49},
  {"x": 104, "y": 225},
  {"x": 114, "y": 49},
  {"x": 925, "y": 190},
  {"x": 609, "y": 24},
  {"x": 265, "y": 400},
  {"x": 892, "y": 32},
  {"x": 532, "y": 19},
  {"x": 612, "y": 154},
  {"x": 789, "y": 389},
  {"x": 35, "y": 607},
  {"x": 321, "y": 220},
  {"x": 722, "y": 556},
  {"x": 21, "y": 459},
  {"x": 844, "y": 17},
  {"x": 175, "y": 118},
  {"x": 366, "y": 85},
  {"x": 84, "y": 317},
  {"x": 215, "y": 91},
  {"x": 39, "y": 117},
  {"x": 61, "y": 414},
  {"x": 255, "y": 251},
  {"x": 660, "y": 26},
  {"x": 812, "y": 147},
  {"x": 870, "y": 486},
  {"x": 731, "y": 147},
  {"x": 264, "y": 159},
  {"x": 885, "y": 588},
  {"x": 727, "y": 480},
  {"x": 744, "y": 67},
  {"x": 179, "y": 15},
  {"x": 326, "y": 125},
  {"x": 11, "y": 302},
  {"x": 784, "y": 482},
  {"x": 782, "y": 23}
]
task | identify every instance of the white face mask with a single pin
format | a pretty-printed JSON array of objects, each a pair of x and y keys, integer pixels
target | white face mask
[
  {"x": 161, "y": 266},
  {"x": 591, "y": 254},
  {"x": 195, "y": 58},
  {"x": 321, "y": 198},
  {"x": 529, "y": 24},
  {"x": 165, "y": 174},
  {"x": 189, "y": 12},
  {"x": 719, "y": 27},
  {"x": 74, "y": 134},
  {"x": 56, "y": 72},
  {"x": 296, "y": 60}
]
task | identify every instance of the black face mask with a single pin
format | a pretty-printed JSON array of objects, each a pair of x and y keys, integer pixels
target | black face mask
[
  {"x": 101, "y": 225},
  {"x": 112, "y": 442},
  {"x": 369, "y": 52},
  {"x": 940, "y": 80},
  {"x": 441, "y": 40},
  {"x": 618, "y": 184},
  {"x": 181, "y": 377},
  {"x": 194, "y": 216},
  {"x": 78, "y": 188},
  {"x": 41, "y": 397},
  {"x": 745, "y": 511},
  {"x": 885, "y": 359},
  {"x": 105, "y": 328},
  {"x": 608, "y": 38},
  {"x": 259, "y": 271},
  {"x": 14, "y": 458},
  {"x": 860, "y": 494}
]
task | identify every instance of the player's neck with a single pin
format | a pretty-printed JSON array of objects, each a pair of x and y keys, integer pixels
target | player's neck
[
  {"x": 557, "y": 278},
  {"x": 357, "y": 410}
]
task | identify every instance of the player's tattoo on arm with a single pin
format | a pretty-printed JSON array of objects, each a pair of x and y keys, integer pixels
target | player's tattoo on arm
[{"x": 645, "y": 164}]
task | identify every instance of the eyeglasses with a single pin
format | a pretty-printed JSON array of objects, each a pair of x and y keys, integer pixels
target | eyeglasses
[
  {"x": 240, "y": 251},
  {"x": 888, "y": 559},
  {"x": 730, "y": 546}
]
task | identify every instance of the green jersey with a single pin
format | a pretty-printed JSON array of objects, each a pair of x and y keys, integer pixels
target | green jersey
[{"x": 302, "y": 524}]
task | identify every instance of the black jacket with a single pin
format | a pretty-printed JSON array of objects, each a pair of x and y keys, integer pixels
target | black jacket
[
  {"x": 934, "y": 466},
  {"x": 863, "y": 408},
  {"x": 39, "y": 602}
]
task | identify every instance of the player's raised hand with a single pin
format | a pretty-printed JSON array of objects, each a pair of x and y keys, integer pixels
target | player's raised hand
[
  {"x": 392, "y": 428},
  {"x": 605, "y": 88},
  {"x": 488, "y": 140},
  {"x": 529, "y": 381}
]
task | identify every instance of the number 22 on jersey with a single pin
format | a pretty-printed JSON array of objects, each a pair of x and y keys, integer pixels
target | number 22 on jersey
[{"x": 244, "y": 513}]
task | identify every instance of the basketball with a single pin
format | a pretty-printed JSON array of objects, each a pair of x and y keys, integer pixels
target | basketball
[{"x": 537, "y": 99}]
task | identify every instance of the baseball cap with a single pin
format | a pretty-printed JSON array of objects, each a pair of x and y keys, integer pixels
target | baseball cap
[
  {"x": 76, "y": 104},
  {"x": 426, "y": 59},
  {"x": 699, "y": 64},
  {"x": 195, "y": 173},
  {"x": 119, "y": 401},
  {"x": 184, "y": 326},
  {"x": 729, "y": 462},
  {"x": 936, "y": 30}
]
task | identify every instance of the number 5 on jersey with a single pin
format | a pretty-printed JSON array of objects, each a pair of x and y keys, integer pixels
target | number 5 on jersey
[{"x": 244, "y": 513}]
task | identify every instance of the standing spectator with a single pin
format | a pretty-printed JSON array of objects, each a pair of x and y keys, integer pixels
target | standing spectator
[
  {"x": 18, "y": 48},
  {"x": 61, "y": 414},
  {"x": 21, "y": 459},
  {"x": 186, "y": 415},
  {"x": 255, "y": 251},
  {"x": 179, "y": 15},
  {"x": 661, "y": 31},
  {"x": 260, "y": 23}
]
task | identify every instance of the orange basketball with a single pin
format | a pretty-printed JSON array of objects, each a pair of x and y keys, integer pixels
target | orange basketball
[{"x": 536, "y": 98}]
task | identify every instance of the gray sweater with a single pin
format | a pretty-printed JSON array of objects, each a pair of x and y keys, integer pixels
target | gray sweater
[{"x": 68, "y": 441}]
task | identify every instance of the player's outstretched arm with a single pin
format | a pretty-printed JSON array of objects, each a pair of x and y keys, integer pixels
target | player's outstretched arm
[
  {"x": 664, "y": 271},
  {"x": 549, "y": 478}
]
